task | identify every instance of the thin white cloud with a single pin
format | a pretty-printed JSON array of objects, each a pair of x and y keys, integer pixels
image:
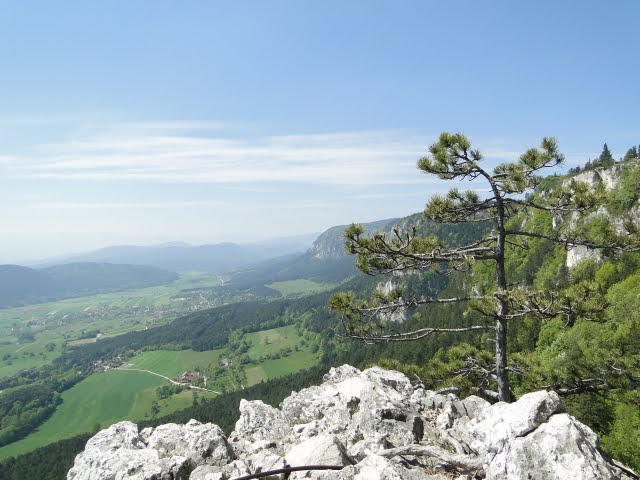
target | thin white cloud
[
  {"x": 178, "y": 152},
  {"x": 114, "y": 205},
  {"x": 335, "y": 159}
]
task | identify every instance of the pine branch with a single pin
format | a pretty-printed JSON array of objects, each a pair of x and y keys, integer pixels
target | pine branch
[
  {"x": 411, "y": 303},
  {"x": 379, "y": 255},
  {"x": 408, "y": 336},
  {"x": 460, "y": 207},
  {"x": 586, "y": 385},
  {"x": 575, "y": 242},
  {"x": 566, "y": 207}
]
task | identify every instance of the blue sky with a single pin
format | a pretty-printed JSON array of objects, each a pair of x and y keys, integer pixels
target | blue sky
[{"x": 152, "y": 121}]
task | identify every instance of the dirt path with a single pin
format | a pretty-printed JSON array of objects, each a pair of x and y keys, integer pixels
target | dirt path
[
  {"x": 193, "y": 387},
  {"x": 25, "y": 346}
]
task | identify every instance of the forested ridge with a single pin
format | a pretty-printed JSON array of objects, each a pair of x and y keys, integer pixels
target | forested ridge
[
  {"x": 22, "y": 285},
  {"x": 594, "y": 362}
]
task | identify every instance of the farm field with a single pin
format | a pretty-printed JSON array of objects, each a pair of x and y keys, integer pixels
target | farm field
[
  {"x": 300, "y": 287},
  {"x": 102, "y": 399},
  {"x": 272, "y": 342},
  {"x": 56, "y": 323},
  {"x": 283, "y": 366},
  {"x": 172, "y": 363},
  {"x": 126, "y": 393}
]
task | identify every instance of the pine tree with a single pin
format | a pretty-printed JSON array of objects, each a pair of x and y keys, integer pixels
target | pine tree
[
  {"x": 513, "y": 188},
  {"x": 606, "y": 158},
  {"x": 631, "y": 154}
]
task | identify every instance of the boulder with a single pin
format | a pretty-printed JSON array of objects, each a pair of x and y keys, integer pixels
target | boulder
[
  {"x": 562, "y": 449},
  {"x": 207, "y": 472},
  {"x": 259, "y": 421},
  {"x": 168, "y": 451},
  {"x": 203, "y": 443},
  {"x": 320, "y": 450},
  {"x": 499, "y": 424}
]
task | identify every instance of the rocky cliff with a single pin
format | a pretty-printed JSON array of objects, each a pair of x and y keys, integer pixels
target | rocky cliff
[
  {"x": 330, "y": 244},
  {"x": 372, "y": 424},
  {"x": 609, "y": 178}
]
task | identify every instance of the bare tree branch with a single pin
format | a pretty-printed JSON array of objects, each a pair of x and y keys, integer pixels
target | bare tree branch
[
  {"x": 566, "y": 207},
  {"x": 468, "y": 462},
  {"x": 414, "y": 335},
  {"x": 574, "y": 242},
  {"x": 411, "y": 303},
  {"x": 288, "y": 470}
]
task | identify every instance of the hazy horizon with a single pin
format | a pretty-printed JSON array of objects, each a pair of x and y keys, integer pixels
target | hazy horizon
[
  {"x": 31, "y": 261},
  {"x": 140, "y": 123}
]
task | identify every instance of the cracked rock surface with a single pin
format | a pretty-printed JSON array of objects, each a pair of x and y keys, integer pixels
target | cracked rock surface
[{"x": 374, "y": 424}]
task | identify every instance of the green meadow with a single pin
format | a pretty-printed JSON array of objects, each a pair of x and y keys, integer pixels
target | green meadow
[
  {"x": 269, "y": 342},
  {"x": 105, "y": 398},
  {"x": 100, "y": 399},
  {"x": 172, "y": 363},
  {"x": 300, "y": 287}
]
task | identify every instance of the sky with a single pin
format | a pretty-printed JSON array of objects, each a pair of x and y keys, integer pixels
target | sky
[{"x": 143, "y": 122}]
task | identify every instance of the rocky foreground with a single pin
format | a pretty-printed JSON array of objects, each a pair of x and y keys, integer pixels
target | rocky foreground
[{"x": 375, "y": 425}]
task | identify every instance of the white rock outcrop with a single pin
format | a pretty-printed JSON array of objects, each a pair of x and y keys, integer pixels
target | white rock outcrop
[
  {"x": 608, "y": 178},
  {"x": 371, "y": 424}
]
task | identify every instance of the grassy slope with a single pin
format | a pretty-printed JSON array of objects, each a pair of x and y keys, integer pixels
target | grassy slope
[
  {"x": 101, "y": 398},
  {"x": 272, "y": 341},
  {"x": 300, "y": 287},
  {"x": 106, "y": 398},
  {"x": 173, "y": 363}
]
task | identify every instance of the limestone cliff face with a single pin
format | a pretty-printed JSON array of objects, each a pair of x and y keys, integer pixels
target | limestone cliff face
[
  {"x": 386, "y": 287},
  {"x": 372, "y": 424},
  {"x": 330, "y": 244},
  {"x": 608, "y": 178}
]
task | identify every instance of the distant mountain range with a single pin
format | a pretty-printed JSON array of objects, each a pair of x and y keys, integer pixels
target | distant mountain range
[
  {"x": 325, "y": 261},
  {"x": 180, "y": 257},
  {"x": 22, "y": 285},
  {"x": 249, "y": 265},
  {"x": 126, "y": 267}
]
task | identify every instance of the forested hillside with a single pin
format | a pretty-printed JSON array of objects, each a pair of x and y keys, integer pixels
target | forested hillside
[
  {"x": 23, "y": 286},
  {"x": 573, "y": 326}
]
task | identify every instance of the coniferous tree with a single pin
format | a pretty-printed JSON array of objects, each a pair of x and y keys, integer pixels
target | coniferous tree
[
  {"x": 606, "y": 158},
  {"x": 513, "y": 188},
  {"x": 631, "y": 154}
]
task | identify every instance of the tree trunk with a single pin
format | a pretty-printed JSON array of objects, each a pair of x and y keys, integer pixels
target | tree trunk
[{"x": 504, "y": 391}]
